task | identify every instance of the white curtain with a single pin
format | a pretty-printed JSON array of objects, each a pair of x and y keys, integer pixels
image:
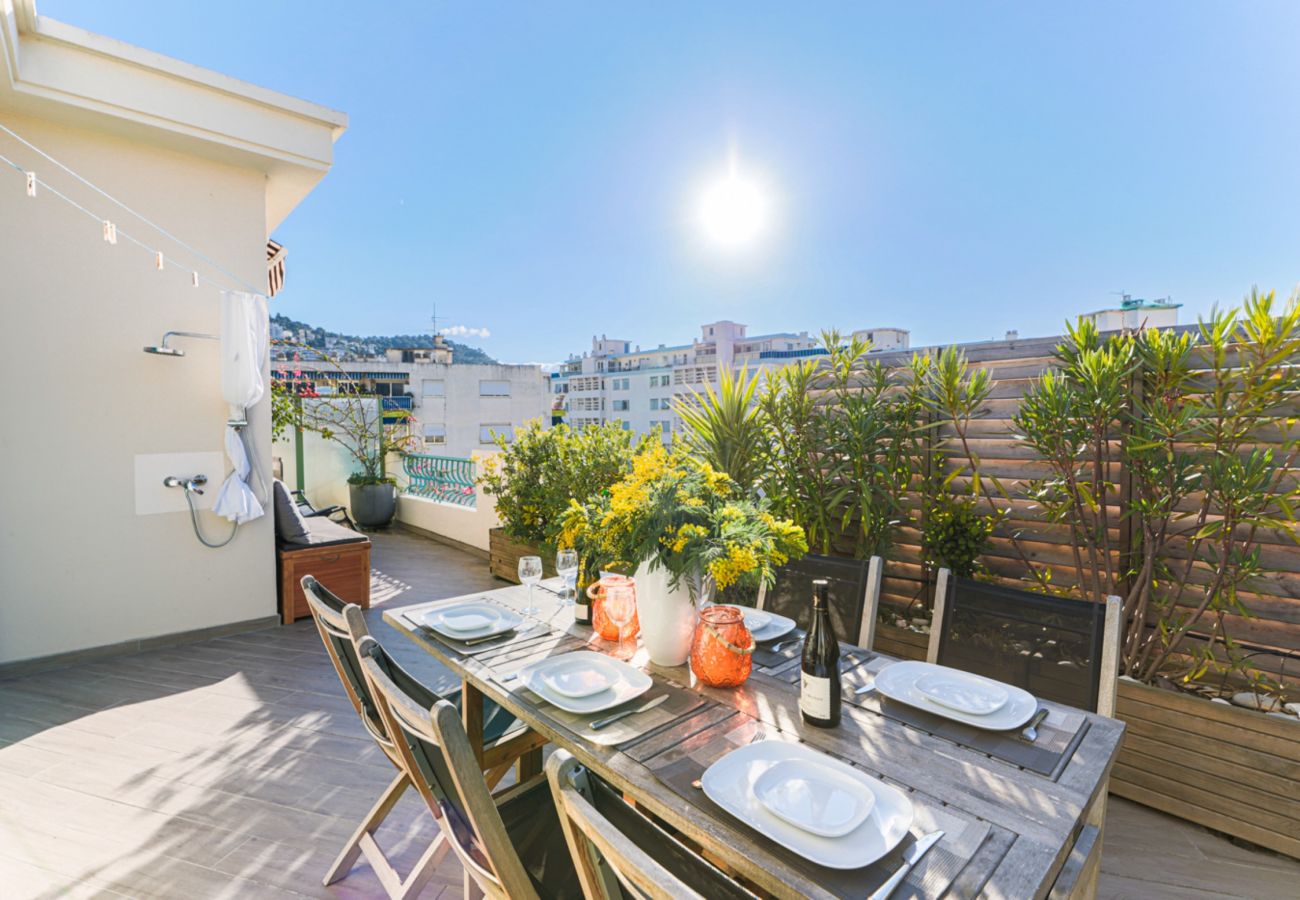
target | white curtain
[{"x": 244, "y": 345}]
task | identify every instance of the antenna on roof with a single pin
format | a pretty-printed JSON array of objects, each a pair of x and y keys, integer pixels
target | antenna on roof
[{"x": 434, "y": 319}]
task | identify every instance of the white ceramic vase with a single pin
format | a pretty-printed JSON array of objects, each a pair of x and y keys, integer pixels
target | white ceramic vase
[{"x": 666, "y": 614}]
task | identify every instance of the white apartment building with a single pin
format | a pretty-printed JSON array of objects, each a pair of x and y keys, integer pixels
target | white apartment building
[
  {"x": 457, "y": 408},
  {"x": 616, "y": 382},
  {"x": 1133, "y": 313}
]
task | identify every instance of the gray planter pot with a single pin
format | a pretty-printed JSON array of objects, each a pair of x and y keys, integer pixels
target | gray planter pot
[{"x": 373, "y": 505}]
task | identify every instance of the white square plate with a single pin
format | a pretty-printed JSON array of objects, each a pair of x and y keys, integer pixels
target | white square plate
[
  {"x": 450, "y": 620},
  {"x": 772, "y": 627},
  {"x": 815, "y": 797},
  {"x": 963, "y": 692},
  {"x": 897, "y": 681},
  {"x": 577, "y": 678},
  {"x": 625, "y": 682},
  {"x": 730, "y": 782}
]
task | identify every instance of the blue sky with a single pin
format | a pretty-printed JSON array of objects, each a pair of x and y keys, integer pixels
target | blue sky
[{"x": 959, "y": 169}]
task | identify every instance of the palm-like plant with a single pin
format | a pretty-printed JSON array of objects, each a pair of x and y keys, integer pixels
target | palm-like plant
[{"x": 727, "y": 429}]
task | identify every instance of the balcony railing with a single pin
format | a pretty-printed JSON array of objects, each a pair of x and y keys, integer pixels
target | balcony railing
[{"x": 447, "y": 479}]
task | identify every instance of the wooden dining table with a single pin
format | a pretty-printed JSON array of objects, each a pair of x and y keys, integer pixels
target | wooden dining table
[{"x": 1015, "y": 814}]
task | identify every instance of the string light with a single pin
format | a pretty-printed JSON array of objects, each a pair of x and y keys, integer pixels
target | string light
[{"x": 109, "y": 230}]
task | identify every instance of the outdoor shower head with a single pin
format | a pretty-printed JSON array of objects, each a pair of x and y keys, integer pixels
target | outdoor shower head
[{"x": 163, "y": 350}]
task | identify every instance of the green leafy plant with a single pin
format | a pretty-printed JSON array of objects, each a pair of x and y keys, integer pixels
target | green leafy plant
[
  {"x": 536, "y": 475},
  {"x": 676, "y": 511},
  {"x": 353, "y": 420},
  {"x": 844, "y": 446},
  {"x": 1186, "y": 417},
  {"x": 727, "y": 429},
  {"x": 956, "y": 534}
]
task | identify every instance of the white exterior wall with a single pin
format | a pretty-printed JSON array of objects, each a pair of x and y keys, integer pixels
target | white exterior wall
[
  {"x": 1132, "y": 319},
  {"x": 78, "y": 567},
  {"x": 85, "y": 560},
  {"x": 464, "y": 410}
]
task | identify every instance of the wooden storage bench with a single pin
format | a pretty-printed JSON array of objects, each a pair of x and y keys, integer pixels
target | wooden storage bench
[{"x": 337, "y": 557}]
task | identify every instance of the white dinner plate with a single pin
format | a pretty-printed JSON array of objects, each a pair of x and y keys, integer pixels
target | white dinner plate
[
  {"x": 730, "y": 782},
  {"x": 757, "y": 620},
  {"x": 625, "y": 682},
  {"x": 963, "y": 692},
  {"x": 815, "y": 797},
  {"x": 774, "y": 627},
  {"x": 471, "y": 621},
  {"x": 897, "y": 681},
  {"x": 577, "y": 678}
]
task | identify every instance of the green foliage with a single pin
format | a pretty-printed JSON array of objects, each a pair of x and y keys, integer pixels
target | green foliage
[
  {"x": 675, "y": 510},
  {"x": 727, "y": 429},
  {"x": 534, "y": 477},
  {"x": 955, "y": 534},
  {"x": 844, "y": 446},
  {"x": 1183, "y": 415}
]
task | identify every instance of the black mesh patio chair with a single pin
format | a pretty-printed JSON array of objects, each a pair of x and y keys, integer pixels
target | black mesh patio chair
[
  {"x": 854, "y": 594},
  {"x": 511, "y": 846},
  {"x": 334, "y": 513},
  {"x": 1056, "y": 648},
  {"x": 619, "y": 851},
  {"x": 342, "y": 627}
]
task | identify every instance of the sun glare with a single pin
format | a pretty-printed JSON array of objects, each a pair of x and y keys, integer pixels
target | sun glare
[{"x": 733, "y": 210}]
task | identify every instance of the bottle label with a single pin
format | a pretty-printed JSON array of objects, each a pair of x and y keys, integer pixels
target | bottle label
[
  {"x": 582, "y": 611},
  {"x": 815, "y": 696}
]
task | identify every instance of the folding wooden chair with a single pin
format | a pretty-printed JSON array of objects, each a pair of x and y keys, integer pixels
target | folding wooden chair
[
  {"x": 620, "y": 852},
  {"x": 854, "y": 594},
  {"x": 342, "y": 626},
  {"x": 511, "y": 846}
]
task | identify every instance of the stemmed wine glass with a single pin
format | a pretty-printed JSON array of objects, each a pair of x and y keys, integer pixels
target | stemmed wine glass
[
  {"x": 620, "y": 606},
  {"x": 530, "y": 572},
  {"x": 566, "y": 566}
]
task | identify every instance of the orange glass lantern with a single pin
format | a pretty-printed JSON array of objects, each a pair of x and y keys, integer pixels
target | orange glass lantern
[
  {"x": 599, "y": 620},
  {"x": 722, "y": 649}
]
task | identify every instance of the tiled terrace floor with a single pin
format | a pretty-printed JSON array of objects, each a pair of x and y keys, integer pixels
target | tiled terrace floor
[{"x": 235, "y": 768}]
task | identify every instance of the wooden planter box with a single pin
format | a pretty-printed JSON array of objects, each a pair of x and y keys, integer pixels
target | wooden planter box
[
  {"x": 900, "y": 642},
  {"x": 1230, "y": 769},
  {"x": 504, "y": 553}
]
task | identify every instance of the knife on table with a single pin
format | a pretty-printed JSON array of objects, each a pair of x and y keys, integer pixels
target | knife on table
[
  {"x": 644, "y": 707},
  {"x": 910, "y": 858}
]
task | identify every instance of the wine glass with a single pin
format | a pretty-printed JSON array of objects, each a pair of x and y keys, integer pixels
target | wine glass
[
  {"x": 566, "y": 566},
  {"x": 530, "y": 572},
  {"x": 619, "y": 606}
]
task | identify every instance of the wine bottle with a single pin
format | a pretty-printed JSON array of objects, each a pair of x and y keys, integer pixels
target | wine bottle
[
  {"x": 819, "y": 679},
  {"x": 581, "y": 607}
]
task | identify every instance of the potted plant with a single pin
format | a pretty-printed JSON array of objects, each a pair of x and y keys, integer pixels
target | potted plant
[
  {"x": 367, "y": 432},
  {"x": 685, "y": 529},
  {"x": 534, "y": 477},
  {"x": 1187, "y": 440}
]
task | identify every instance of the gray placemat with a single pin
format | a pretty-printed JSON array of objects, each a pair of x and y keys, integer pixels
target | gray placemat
[
  {"x": 934, "y": 874},
  {"x": 1058, "y": 735},
  {"x": 525, "y": 632},
  {"x": 680, "y": 703},
  {"x": 792, "y": 646}
]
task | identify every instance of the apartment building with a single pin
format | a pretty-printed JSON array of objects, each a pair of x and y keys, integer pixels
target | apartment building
[
  {"x": 1133, "y": 313},
  {"x": 618, "y": 382},
  {"x": 457, "y": 408}
]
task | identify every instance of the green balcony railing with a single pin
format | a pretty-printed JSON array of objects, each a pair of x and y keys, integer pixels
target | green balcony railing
[{"x": 447, "y": 479}]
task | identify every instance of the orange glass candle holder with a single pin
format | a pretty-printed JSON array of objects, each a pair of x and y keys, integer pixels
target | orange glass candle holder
[
  {"x": 599, "y": 620},
  {"x": 722, "y": 649}
]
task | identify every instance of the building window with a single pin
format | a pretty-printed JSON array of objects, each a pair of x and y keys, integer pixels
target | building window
[
  {"x": 618, "y": 405},
  {"x": 433, "y": 388},
  {"x": 435, "y": 433},
  {"x": 487, "y": 434},
  {"x": 654, "y": 402},
  {"x": 627, "y": 426},
  {"x": 494, "y": 389}
]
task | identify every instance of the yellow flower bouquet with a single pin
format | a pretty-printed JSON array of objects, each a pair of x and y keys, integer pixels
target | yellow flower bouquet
[{"x": 676, "y": 511}]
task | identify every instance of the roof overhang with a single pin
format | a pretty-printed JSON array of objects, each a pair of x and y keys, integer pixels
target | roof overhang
[{"x": 66, "y": 74}]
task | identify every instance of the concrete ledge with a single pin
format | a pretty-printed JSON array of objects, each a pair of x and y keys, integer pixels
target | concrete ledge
[
  {"x": 442, "y": 539},
  {"x": 124, "y": 648}
]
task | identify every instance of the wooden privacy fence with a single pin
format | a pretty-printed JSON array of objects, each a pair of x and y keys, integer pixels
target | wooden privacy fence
[{"x": 1273, "y": 627}]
